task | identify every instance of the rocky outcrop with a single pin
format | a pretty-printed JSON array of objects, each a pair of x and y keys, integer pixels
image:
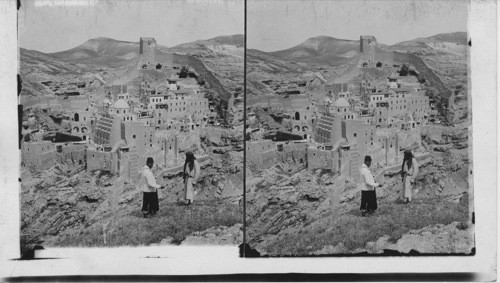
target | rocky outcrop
[
  {"x": 58, "y": 198},
  {"x": 454, "y": 238},
  {"x": 66, "y": 197},
  {"x": 283, "y": 203}
]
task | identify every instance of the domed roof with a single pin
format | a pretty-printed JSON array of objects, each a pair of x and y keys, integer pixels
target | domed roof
[
  {"x": 327, "y": 100},
  {"x": 106, "y": 101},
  {"x": 121, "y": 104},
  {"x": 342, "y": 102}
]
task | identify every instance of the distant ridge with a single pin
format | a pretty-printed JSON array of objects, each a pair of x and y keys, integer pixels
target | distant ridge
[
  {"x": 320, "y": 49},
  {"x": 334, "y": 51},
  {"x": 106, "y": 50},
  {"x": 101, "y": 49}
]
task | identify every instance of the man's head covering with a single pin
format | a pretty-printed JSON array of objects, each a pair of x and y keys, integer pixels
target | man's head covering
[{"x": 408, "y": 153}]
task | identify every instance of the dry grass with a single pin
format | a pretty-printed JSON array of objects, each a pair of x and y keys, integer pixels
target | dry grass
[
  {"x": 355, "y": 231},
  {"x": 176, "y": 221}
]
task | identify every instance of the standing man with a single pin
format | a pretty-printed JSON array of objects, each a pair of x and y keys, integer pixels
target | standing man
[
  {"x": 368, "y": 185},
  {"x": 149, "y": 188},
  {"x": 191, "y": 175}
]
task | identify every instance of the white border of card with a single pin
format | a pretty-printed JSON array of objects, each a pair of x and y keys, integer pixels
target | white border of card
[{"x": 225, "y": 260}]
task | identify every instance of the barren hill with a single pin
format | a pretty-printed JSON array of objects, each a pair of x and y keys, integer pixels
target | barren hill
[
  {"x": 230, "y": 45},
  {"x": 236, "y": 40},
  {"x": 321, "y": 49},
  {"x": 222, "y": 56},
  {"x": 100, "y": 50},
  {"x": 36, "y": 66},
  {"x": 455, "y": 43}
]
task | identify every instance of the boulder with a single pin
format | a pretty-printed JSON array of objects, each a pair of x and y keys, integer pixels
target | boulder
[
  {"x": 214, "y": 138},
  {"x": 452, "y": 238}
]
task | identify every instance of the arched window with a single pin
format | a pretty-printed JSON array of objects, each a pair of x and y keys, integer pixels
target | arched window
[
  {"x": 297, "y": 116},
  {"x": 77, "y": 117}
]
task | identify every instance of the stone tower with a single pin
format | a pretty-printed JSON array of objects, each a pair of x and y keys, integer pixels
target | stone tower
[
  {"x": 147, "y": 51},
  {"x": 368, "y": 48}
]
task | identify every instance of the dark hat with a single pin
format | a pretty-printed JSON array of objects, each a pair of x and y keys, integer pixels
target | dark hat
[{"x": 190, "y": 155}]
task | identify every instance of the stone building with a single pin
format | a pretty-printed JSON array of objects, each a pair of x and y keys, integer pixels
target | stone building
[
  {"x": 328, "y": 129},
  {"x": 79, "y": 111},
  {"x": 112, "y": 91},
  {"x": 107, "y": 130},
  {"x": 344, "y": 159},
  {"x": 171, "y": 107},
  {"x": 147, "y": 52},
  {"x": 405, "y": 101},
  {"x": 338, "y": 90},
  {"x": 38, "y": 155},
  {"x": 368, "y": 49},
  {"x": 292, "y": 151},
  {"x": 44, "y": 154},
  {"x": 262, "y": 152},
  {"x": 121, "y": 108},
  {"x": 122, "y": 160}
]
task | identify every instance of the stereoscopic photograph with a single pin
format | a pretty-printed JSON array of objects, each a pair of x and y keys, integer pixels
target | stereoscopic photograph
[
  {"x": 158, "y": 140},
  {"x": 357, "y": 128},
  {"x": 132, "y": 123}
]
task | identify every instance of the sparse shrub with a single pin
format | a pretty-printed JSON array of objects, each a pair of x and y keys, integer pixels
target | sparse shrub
[{"x": 404, "y": 70}]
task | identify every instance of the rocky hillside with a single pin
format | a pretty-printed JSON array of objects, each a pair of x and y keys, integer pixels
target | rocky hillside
[
  {"x": 452, "y": 43},
  {"x": 66, "y": 205},
  {"x": 37, "y": 66},
  {"x": 445, "y": 54},
  {"x": 219, "y": 60},
  {"x": 262, "y": 67},
  {"x": 298, "y": 212},
  {"x": 441, "y": 59},
  {"x": 222, "y": 56},
  {"x": 229, "y": 45}
]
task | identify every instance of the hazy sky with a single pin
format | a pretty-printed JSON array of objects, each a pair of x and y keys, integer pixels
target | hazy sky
[
  {"x": 57, "y": 25},
  {"x": 277, "y": 25}
]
